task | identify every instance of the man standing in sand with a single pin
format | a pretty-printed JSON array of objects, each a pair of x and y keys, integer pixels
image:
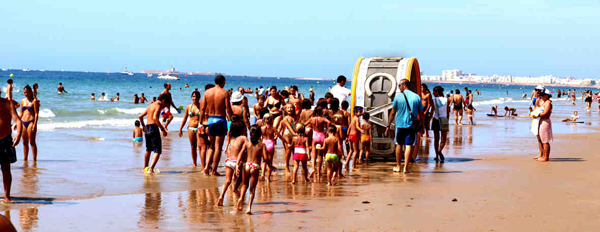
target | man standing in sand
[
  {"x": 167, "y": 116},
  {"x": 8, "y": 154},
  {"x": 217, "y": 107},
  {"x": 407, "y": 107},
  {"x": 339, "y": 91},
  {"x": 151, "y": 131}
]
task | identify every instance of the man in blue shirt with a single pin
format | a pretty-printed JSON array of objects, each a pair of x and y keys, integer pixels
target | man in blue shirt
[{"x": 405, "y": 130}]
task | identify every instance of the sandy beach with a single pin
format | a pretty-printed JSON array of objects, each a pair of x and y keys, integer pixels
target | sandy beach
[{"x": 96, "y": 179}]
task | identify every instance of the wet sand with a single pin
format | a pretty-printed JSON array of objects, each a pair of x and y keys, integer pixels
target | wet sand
[{"x": 82, "y": 182}]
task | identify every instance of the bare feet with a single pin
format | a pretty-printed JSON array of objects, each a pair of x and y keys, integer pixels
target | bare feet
[
  {"x": 220, "y": 202},
  {"x": 206, "y": 172},
  {"x": 293, "y": 182},
  {"x": 248, "y": 211},
  {"x": 542, "y": 159},
  {"x": 215, "y": 174},
  {"x": 7, "y": 199},
  {"x": 240, "y": 204}
]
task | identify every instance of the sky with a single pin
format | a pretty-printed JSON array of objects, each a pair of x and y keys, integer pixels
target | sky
[{"x": 320, "y": 39}]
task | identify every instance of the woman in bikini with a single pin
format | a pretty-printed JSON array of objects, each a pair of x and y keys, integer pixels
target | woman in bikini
[
  {"x": 192, "y": 111},
  {"x": 319, "y": 124},
  {"x": 268, "y": 138},
  {"x": 30, "y": 108},
  {"x": 287, "y": 126},
  {"x": 253, "y": 152},
  {"x": 273, "y": 103}
]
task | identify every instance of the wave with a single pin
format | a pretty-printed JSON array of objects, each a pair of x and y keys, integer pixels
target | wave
[
  {"x": 129, "y": 123},
  {"x": 47, "y": 113},
  {"x": 498, "y": 101}
]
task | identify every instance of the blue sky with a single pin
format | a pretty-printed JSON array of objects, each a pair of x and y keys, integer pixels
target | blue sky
[{"x": 302, "y": 38}]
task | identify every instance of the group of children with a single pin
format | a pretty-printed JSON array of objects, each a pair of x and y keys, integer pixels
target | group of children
[{"x": 316, "y": 134}]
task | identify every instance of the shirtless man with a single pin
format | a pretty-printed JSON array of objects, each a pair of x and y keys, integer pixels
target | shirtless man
[
  {"x": 8, "y": 95},
  {"x": 61, "y": 88},
  {"x": 458, "y": 102},
  {"x": 426, "y": 99},
  {"x": 167, "y": 116},
  {"x": 245, "y": 102},
  {"x": 8, "y": 154},
  {"x": 153, "y": 139},
  {"x": 218, "y": 109},
  {"x": 143, "y": 98}
]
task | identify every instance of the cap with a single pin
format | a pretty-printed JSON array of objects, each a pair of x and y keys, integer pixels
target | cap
[
  {"x": 236, "y": 97},
  {"x": 539, "y": 87},
  {"x": 545, "y": 92}
]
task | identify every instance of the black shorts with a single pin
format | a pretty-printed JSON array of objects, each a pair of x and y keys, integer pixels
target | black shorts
[
  {"x": 7, "y": 151},
  {"x": 153, "y": 140},
  {"x": 588, "y": 99}
]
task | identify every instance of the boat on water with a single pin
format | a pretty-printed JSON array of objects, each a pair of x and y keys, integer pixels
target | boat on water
[
  {"x": 4, "y": 69},
  {"x": 150, "y": 74},
  {"x": 26, "y": 70},
  {"x": 126, "y": 72},
  {"x": 170, "y": 76},
  {"x": 167, "y": 77}
]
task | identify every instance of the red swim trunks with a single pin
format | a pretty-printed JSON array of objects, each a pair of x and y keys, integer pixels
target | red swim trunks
[{"x": 353, "y": 138}]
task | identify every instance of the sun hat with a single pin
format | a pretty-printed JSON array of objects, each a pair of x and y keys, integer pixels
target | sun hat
[
  {"x": 540, "y": 87},
  {"x": 545, "y": 92},
  {"x": 236, "y": 97}
]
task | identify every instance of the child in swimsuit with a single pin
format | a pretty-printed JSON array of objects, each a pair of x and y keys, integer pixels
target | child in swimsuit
[
  {"x": 353, "y": 137},
  {"x": 253, "y": 152},
  {"x": 137, "y": 132},
  {"x": 238, "y": 138},
  {"x": 300, "y": 145},
  {"x": 318, "y": 124},
  {"x": 287, "y": 126},
  {"x": 333, "y": 148},
  {"x": 268, "y": 138},
  {"x": 365, "y": 138},
  {"x": 470, "y": 114}
]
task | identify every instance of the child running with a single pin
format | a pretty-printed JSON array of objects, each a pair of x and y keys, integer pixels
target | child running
[
  {"x": 300, "y": 145},
  {"x": 365, "y": 138},
  {"x": 268, "y": 133},
  {"x": 137, "y": 133},
  {"x": 255, "y": 152},
  {"x": 333, "y": 147},
  {"x": 237, "y": 136}
]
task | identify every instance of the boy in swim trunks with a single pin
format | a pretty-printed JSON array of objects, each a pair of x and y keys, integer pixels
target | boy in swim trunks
[
  {"x": 332, "y": 146},
  {"x": 366, "y": 137},
  {"x": 137, "y": 132},
  {"x": 8, "y": 154},
  {"x": 353, "y": 137},
  {"x": 152, "y": 133}
]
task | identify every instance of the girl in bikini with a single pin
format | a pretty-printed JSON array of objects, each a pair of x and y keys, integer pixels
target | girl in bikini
[
  {"x": 237, "y": 134},
  {"x": 30, "y": 108},
  {"x": 268, "y": 138},
  {"x": 253, "y": 152},
  {"x": 273, "y": 103},
  {"x": 318, "y": 123},
  {"x": 287, "y": 127},
  {"x": 192, "y": 111},
  {"x": 300, "y": 145}
]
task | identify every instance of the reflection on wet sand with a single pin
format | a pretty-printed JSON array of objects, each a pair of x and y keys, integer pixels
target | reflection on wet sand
[
  {"x": 28, "y": 218},
  {"x": 29, "y": 182}
]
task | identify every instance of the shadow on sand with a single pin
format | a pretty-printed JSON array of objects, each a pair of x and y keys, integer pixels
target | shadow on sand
[
  {"x": 36, "y": 200},
  {"x": 567, "y": 160}
]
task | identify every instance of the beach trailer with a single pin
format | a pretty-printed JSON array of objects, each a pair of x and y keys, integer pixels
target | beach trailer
[{"x": 374, "y": 86}]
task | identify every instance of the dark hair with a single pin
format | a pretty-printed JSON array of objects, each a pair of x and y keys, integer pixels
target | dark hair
[
  {"x": 331, "y": 129},
  {"x": 60, "y": 83},
  {"x": 328, "y": 95},
  {"x": 117, "y": 94},
  {"x": 197, "y": 94},
  {"x": 166, "y": 84},
  {"x": 439, "y": 90},
  {"x": 345, "y": 105},
  {"x": 255, "y": 134},
  {"x": 142, "y": 94},
  {"x": 506, "y": 108},
  {"x": 103, "y": 93},
  {"x": 237, "y": 127},
  {"x": 452, "y": 91},
  {"x": 293, "y": 87},
  {"x": 335, "y": 104},
  {"x": 35, "y": 85},
  {"x": 318, "y": 111},
  {"x": 220, "y": 79},
  {"x": 341, "y": 78},
  {"x": 137, "y": 122},
  {"x": 273, "y": 88},
  {"x": 27, "y": 87},
  {"x": 9, "y": 81},
  {"x": 93, "y": 94},
  {"x": 162, "y": 97},
  {"x": 322, "y": 103},
  {"x": 306, "y": 104},
  {"x": 284, "y": 93},
  {"x": 153, "y": 98},
  {"x": 366, "y": 116},
  {"x": 262, "y": 112},
  {"x": 457, "y": 91},
  {"x": 209, "y": 86},
  {"x": 260, "y": 97}
]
